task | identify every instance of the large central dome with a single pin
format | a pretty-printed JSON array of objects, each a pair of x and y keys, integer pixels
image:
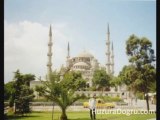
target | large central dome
[{"x": 85, "y": 54}]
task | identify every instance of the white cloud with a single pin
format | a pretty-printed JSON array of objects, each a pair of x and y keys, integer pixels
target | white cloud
[{"x": 26, "y": 49}]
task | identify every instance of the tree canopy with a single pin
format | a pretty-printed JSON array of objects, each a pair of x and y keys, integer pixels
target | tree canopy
[
  {"x": 141, "y": 74},
  {"x": 62, "y": 89},
  {"x": 8, "y": 90},
  {"x": 20, "y": 92},
  {"x": 101, "y": 79}
]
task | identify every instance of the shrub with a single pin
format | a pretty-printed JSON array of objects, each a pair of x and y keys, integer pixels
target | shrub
[{"x": 111, "y": 99}]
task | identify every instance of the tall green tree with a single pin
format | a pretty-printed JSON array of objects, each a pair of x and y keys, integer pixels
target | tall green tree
[
  {"x": 152, "y": 87},
  {"x": 23, "y": 94},
  {"x": 115, "y": 82},
  {"x": 9, "y": 91},
  {"x": 39, "y": 89},
  {"x": 128, "y": 76},
  {"x": 141, "y": 56},
  {"x": 62, "y": 89},
  {"x": 101, "y": 79}
]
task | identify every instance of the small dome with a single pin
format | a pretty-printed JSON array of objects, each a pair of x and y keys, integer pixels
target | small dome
[
  {"x": 81, "y": 64},
  {"x": 85, "y": 54}
]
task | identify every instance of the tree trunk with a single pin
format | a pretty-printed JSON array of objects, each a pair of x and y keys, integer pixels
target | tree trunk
[
  {"x": 147, "y": 101},
  {"x": 63, "y": 115}
]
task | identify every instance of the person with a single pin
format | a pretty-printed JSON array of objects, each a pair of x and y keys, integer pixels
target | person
[
  {"x": 92, "y": 107},
  {"x": 136, "y": 101}
]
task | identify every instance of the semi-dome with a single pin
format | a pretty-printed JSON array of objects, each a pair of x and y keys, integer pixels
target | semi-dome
[{"x": 85, "y": 54}]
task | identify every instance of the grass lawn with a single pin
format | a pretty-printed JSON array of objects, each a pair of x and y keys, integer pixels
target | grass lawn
[{"x": 81, "y": 116}]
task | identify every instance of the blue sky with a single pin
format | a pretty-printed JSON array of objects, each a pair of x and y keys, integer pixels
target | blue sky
[{"x": 81, "y": 22}]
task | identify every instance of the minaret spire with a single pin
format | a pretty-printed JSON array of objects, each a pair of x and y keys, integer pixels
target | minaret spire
[
  {"x": 49, "y": 64},
  {"x": 68, "y": 51},
  {"x": 68, "y": 56},
  {"x": 50, "y": 31},
  {"x": 108, "y": 52},
  {"x": 108, "y": 29},
  {"x": 112, "y": 58}
]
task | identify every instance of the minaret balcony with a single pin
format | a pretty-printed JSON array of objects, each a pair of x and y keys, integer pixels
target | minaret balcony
[
  {"x": 108, "y": 53},
  {"x": 50, "y": 44},
  {"x": 49, "y": 54},
  {"x": 49, "y": 64},
  {"x": 107, "y": 43}
]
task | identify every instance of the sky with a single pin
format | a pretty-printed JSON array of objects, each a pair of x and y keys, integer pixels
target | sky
[{"x": 82, "y": 23}]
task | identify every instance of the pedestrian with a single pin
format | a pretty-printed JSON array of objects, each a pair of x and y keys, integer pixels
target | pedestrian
[
  {"x": 136, "y": 101},
  {"x": 92, "y": 106}
]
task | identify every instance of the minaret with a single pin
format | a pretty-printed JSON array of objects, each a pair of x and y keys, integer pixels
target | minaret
[
  {"x": 68, "y": 55},
  {"x": 68, "y": 51},
  {"x": 108, "y": 52},
  {"x": 49, "y": 64},
  {"x": 112, "y": 59}
]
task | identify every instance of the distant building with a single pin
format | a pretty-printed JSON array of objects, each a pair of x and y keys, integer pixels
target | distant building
[{"x": 85, "y": 63}]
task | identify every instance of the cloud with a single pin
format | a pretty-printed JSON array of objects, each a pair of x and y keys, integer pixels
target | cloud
[{"x": 25, "y": 47}]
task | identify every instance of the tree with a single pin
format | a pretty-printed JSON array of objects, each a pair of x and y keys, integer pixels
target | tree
[
  {"x": 141, "y": 56},
  {"x": 115, "y": 81},
  {"x": 39, "y": 89},
  {"x": 152, "y": 86},
  {"x": 101, "y": 79},
  {"x": 9, "y": 91},
  {"x": 128, "y": 76},
  {"x": 23, "y": 94},
  {"x": 62, "y": 90}
]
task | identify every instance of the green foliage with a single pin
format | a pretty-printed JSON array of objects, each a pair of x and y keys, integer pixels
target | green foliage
[
  {"x": 101, "y": 79},
  {"x": 92, "y": 88},
  {"x": 41, "y": 100},
  {"x": 73, "y": 81},
  {"x": 115, "y": 81},
  {"x": 152, "y": 87},
  {"x": 111, "y": 99},
  {"x": 61, "y": 89},
  {"x": 139, "y": 50},
  {"x": 128, "y": 75},
  {"x": 8, "y": 89},
  {"x": 9, "y": 92},
  {"x": 40, "y": 90},
  {"x": 23, "y": 94},
  {"x": 140, "y": 95},
  {"x": 141, "y": 75}
]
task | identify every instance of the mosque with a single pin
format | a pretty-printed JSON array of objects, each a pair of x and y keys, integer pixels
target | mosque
[{"x": 86, "y": 63}]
